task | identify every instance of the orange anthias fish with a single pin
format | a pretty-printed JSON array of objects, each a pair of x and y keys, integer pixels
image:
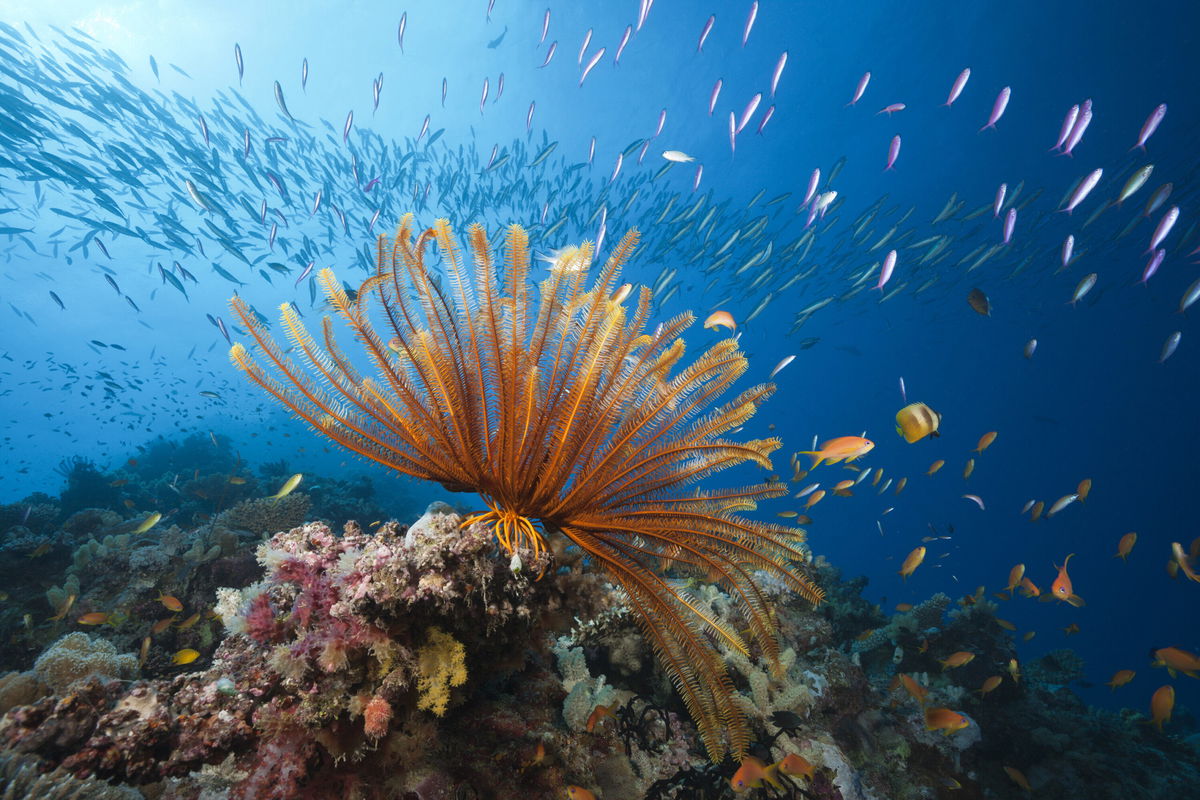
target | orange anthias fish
[
  {"x": 752, "y": 773},
  {"x": 1120, "y": 678},
  {"x": 579, "y": 793},
  {"x": 1029, "y": 588},
  {"x": 985, "y": 441},
  {"x": 990, "y": 685},
  {"x": 918, "y": 692},
  {"x": 1176, "y": 660},
  {"x": 911, "y": 562},
  {"x": 94, "y": 618},
  {"x": 1161, "y": 705},
  {"x": 599, "y": 713},
  {"x": 1125, "y": 545},
  {"x": 1014, "y": 577},
  {"x": 66, "y": 607},
  {"x": 843, "y": 448},
  {"x": 961, "y": 658},
  {"x": 720, "y": 319},
  {"x": 1061, "y": 589},
  {"x": 169, "y": 602},
  {"x": 945, "y": 720},
  {"x": 1018, "y": 778},
  {"x": 794, "y": 766}
]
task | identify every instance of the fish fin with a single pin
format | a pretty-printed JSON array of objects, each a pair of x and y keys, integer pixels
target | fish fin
[
  {"x": 816, "y": 456},
  {"x": 1076, "y": 600}
]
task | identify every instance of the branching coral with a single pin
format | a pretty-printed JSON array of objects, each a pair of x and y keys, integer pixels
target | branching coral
[
  {"x": 441, "y": 663},
  {"x": 566, "y": 417}
]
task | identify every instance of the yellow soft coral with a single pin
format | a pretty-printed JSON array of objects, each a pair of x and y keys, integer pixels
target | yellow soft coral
[{"x": 442, "y": 665}]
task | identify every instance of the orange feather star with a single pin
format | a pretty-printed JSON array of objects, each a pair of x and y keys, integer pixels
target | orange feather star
[{"x": 567, "y": 418}]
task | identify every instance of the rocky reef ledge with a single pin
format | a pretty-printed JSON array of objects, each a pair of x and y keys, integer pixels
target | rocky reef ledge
[{"x": 414, "y": 663}]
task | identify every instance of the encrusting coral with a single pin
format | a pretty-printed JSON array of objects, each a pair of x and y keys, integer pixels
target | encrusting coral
[{"x": 566, "y": 417}]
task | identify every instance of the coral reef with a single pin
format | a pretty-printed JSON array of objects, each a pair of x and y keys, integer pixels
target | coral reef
[
  {"x": 417, "y": 662},
  {"x": 263, "y": 516},
  {"x": 77, "y": 656},
  {"x": 21, "y": 778}
]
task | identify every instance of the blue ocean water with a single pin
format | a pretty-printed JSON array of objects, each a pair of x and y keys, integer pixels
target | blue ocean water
[{"x": 1093, "y": 401}]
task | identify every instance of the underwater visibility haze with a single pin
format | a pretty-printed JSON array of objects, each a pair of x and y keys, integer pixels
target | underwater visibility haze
[{"x": 639, "y": 399}]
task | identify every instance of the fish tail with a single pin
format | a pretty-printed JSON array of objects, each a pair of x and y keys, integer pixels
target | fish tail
[{"x": 816, "y": 456}]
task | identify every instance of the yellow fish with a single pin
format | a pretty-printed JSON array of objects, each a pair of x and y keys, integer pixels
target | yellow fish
[
  {"x": 148, "y": 523},
  {"x": 916, "y": 421},
  {"x": 913, "y": 561},
  {"x": 185, "y": 656},
  {"x": 291, "y": 484}
]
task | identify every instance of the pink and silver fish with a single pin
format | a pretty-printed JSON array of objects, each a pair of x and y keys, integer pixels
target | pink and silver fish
[
  {"x": 733, "y": 132},
  {"x": 1068, "y": 124},
  {"x": 1153, "y": 265},
  {"x": 483, "y": 97},
  {"x": 529, "y": 116},
  {"x": 1068, "y": 250},
  {"x": 549, "y": 55},
  {"x": 891, "y": 109},
  {"x": 1170, "y": 345},
  {"x": 1164, "y": 227},
  {"x": 885, "y": 274},
  {"x": 778, "y": 71},
  {"x": 813, "y": 180},
  {"x": 643, "y": 12},
  {"x": 708, "y": 26},
  {"x": 749, "y": 110},
  {"x": 1084, "y": 189},
  {"x": 862, "y": 87},
  {"x": 998, "y": 203},
  {"x": 893, "y": 152},
  {"x": 696, "y": 181},
  {"x": 959, "y": 84},
  {"x": 307, "y": 271},
  {"x": 587, "y": 39},
  {"x": 545, "y": 27},
  {"x": 753, "y": 15},
  {"x": 617, "y": 169},
  {"x": 1078, "y": 129},
  {"x": 998, "y": 108},
  {"x": 621, "y": 46},
  {"x": 1150, "y": 126},
  {"x": 712, "y": 98},
  {"x": 766, "y": 118},
  {"x": 591, "y": 65},
  {"x": 592, "y": 150},
  {"x": 1010, "y": 222},
  {"x": 662, "y": 120}
]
